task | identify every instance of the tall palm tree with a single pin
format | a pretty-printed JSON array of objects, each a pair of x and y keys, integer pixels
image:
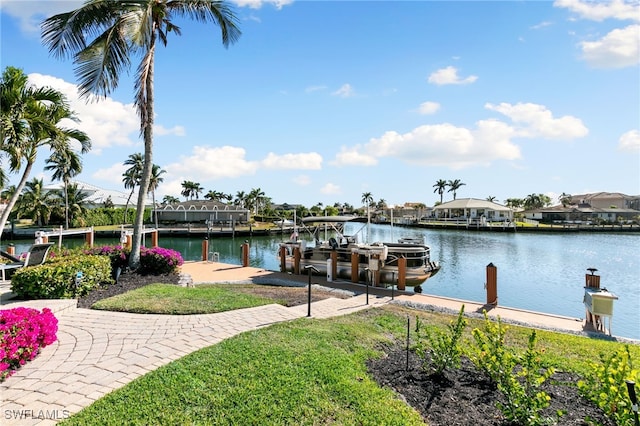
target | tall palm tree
[
  {"x": 491, "y": 198},
  {"x": 30, "y": 120},
  {"x": 440, "y": 186},
  {"x": 154, "y": 182},
  {"x": 120, "y": 30},
  {"x": 367, "y": 198},
  {"x": 65, "y": 165},
  {"x": 132, "y": 177},
  {"x": 454, "y": 185},
  {"x": 255, "y": 199}
]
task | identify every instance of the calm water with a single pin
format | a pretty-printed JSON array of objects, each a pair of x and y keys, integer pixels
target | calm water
[{"x": 539, "y": 272}]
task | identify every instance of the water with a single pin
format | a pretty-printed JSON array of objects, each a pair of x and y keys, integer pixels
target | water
[{"x": 538, "y": 272}]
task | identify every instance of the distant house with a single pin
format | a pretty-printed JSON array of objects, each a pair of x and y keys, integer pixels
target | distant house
[
  {"x": 606, "y": 200},
  {"x": 97, "y": 197},
  {"x": 597, "y": 207},
  {"x": 201, "y": 211},
  {"x": 473, "y": 209}
]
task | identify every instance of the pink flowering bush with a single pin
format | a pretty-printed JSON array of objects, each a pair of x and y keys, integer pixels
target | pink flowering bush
[
  {"x": 23, "y": 332},
  {"x": 118, "y": 255},
  {"x": 154, "y": 260},
  {"x": 158, "y": 260}
]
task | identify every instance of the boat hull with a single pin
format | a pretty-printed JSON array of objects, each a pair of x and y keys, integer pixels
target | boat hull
[{"x": 382, "y": 270}]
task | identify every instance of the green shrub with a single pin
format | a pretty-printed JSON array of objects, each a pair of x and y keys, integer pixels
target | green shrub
[
  {"x": 517, "y": 377},
  {"x": 444, "y": 347},
  {"x": 490, "y": 355},
  {"x": 56, "y": 279},
  {"x": 606, "y": 386},
  {"x": 521, "y": 388}
]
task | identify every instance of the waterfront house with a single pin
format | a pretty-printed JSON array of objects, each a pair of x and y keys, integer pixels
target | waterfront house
[{"x": 473, "y": 209}]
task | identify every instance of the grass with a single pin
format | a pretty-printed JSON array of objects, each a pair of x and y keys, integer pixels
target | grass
[
  {"x": 174, "y": 300},
  {"x": 303, "y": 372}
]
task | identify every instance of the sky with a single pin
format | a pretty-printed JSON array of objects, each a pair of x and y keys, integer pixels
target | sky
[{"x": 323, "y": 101}]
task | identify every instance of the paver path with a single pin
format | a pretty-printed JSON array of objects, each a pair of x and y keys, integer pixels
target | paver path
[{"x": 99, "y": 351}]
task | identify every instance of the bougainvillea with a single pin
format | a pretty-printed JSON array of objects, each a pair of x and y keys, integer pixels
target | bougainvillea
[
  {"x": 158, "y": 260},
  {"x": 23, "y": 332},
  {"x": 154, "y": 260}
]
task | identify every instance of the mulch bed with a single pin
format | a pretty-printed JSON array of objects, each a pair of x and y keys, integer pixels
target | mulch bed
[{"x": 465, "y": 397}]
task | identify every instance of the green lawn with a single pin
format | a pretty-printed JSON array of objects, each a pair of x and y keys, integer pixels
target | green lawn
[
  {"x": 175, "y": 300},
  {"x": 303, "y": 372}
]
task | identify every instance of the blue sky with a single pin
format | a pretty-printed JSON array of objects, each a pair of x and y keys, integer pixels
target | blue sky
[{"x": 322, "y": 101}]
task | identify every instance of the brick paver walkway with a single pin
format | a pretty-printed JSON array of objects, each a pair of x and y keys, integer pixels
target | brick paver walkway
[{"x": 98, "y": 351}]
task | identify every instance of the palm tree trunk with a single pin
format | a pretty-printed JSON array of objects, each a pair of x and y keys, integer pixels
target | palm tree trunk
[
  {"x": 14, "y": 197},
  {"x": 134, "y": 257},
  {"x": 66, "y": 204}
]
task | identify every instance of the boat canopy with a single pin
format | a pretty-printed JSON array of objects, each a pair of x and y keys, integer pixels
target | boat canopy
[{"x": 327, "y": 219}]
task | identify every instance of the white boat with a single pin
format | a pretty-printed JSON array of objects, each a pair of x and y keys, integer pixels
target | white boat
[{"x": 377, "y": 263}]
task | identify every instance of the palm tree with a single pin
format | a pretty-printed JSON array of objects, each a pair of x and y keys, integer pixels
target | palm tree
[
  {"x": 65, "y": 165},
  {"x": 35, "y": 203},
  {"x": 240, "y": 199},
  {"x": 31, "y": 119},
  {"x": 514, "y": 203},
  {"x": 491, "y": 198},
  {"x": 191, "y": 189},
  {"x": 121, "y": 30},
  {"x": 367, "y": 199},
  {"x": 215, "y": 195},
  {"x": 255, "y": 198},
  {"x": 76, "y": 199},
  {"x": 454, "y": 185},
  {"x": 565, "y": 199},
  {"x": 131, "y": 177},
  {"x": 154, "y": 182},
  {"x": 170, "y": 199},
  {"x": 440, "y": 186}
]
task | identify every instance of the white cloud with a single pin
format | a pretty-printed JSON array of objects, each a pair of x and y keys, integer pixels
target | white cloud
[
  {"x": 112, "y": 174},
  {"x": 345, "y": 91},
  {"x": 353, "y": 157},
  {"x": 331, "y": 189},
  {"x": 30, "y": 14},
  {"x": 427, "y": 108},
  {"x": 108, "y": 123},
  {"x": 449, "y": 75},
  {"x": 257, "y": 4},
  {"x": 537, "y": 121},
  {"x": 619, "y": 48},
  {"x": 303, "y": 161},
  {"x": 630, "y": 141},
  {"x": 207, "y": 163},
  {"x": 438, "y": 145},
  {"x": 456, "y": 147},
  {"x": 599, "y": 11}
]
